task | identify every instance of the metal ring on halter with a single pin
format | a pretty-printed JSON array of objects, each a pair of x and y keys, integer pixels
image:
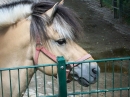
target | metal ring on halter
[{"x": 39, "y": 46}]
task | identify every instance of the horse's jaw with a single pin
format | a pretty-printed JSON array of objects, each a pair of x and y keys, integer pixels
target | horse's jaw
[{"x": 86, "y": 74}]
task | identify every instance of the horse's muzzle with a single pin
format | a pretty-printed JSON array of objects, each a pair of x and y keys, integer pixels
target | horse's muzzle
[
  {"x": 83, "y": 82},
  {"x": 86, "y": 73}
]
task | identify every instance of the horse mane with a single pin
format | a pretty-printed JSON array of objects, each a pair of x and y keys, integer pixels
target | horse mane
[
  {"x": 3, "y": 2},
  {"x": 65, "y": 21},
  {"x": 10, "y": 13}
]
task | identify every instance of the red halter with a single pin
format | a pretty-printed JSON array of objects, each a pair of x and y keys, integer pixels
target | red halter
[{"x": 40, "y": 48}]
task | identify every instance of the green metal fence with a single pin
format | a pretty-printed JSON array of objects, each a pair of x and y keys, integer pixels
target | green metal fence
[
  {"x": 121, "y": 8},
  {"x": 114, "y": 80}
]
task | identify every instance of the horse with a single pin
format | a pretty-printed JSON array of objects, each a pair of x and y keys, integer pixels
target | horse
[
  {"x": 33, "y": 33},
  {"x": 9, "y": 1}
]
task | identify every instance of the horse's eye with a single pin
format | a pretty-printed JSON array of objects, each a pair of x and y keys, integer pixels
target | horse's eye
[{"x": 61, "y": 41}]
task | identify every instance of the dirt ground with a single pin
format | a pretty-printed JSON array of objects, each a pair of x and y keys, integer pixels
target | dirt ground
[
  {"x": 103, "y": 84},
  {"x": 105, "y": 37}
]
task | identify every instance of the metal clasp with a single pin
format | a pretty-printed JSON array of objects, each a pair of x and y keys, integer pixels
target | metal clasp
[{"x": 39, "y": 46}]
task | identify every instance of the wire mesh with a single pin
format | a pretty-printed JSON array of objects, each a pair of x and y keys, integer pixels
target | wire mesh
[
  {"x": 40, "y": 85},
  {"x": 114, "y": 81}
]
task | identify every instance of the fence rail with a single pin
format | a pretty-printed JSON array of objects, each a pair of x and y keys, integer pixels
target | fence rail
[
  {"x": 114, "y": 80},
  {"x": 121, "y": 8}
]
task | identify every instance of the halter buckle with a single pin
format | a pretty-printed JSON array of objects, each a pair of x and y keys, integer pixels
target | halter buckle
[{"x": 39, "y": 46}]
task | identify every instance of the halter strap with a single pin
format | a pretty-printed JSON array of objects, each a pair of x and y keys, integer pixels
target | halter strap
[
  {"x": 53, "y": 57},
  {"x": 81, "y": 59},
  {"x": 40, "y": 48},
  {"x": 74, "y": 65}
]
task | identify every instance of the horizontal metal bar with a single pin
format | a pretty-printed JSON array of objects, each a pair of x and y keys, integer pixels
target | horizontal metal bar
[
  {"x": 98, "y": 91},
  {"x": 25, "y": 67},
  {"x": 115, "y": 7},
  {"x": 100, "y": 60},
  {"x": 49, "y": 96},
  {"x": 68, "y": 63}
]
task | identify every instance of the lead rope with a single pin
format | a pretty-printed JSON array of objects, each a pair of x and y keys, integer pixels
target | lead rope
[{"x": 74, "y": 65}]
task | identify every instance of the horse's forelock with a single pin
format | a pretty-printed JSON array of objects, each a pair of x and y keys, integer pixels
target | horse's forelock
[{"x": 64, "y": 22}]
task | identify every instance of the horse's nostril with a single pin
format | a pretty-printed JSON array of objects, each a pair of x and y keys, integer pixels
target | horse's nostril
[{"x": 94, "y": 71}]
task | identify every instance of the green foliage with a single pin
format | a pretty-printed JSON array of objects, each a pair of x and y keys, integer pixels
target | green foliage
[
  {"x": 124, "y": 8},
  {"x": 107, "y": 3},
  {"x": 126, "y": 11}
]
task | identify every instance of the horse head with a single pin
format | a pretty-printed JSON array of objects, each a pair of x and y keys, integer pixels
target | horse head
[
  {"x": 37, "y": 35},
  {"x": 61, "y": 29}
]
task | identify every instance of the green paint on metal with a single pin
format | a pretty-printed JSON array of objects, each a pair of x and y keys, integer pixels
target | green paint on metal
[
  {"x": 62, "y": 77},
  {"x": 61, "y": 65},
  {"x": 99, "y": 91}
]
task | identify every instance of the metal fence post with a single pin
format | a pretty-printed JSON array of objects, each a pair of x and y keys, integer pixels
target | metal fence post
[
  {"x": 101, "y": 3},
  {"x": 62, "y": 77},
  {"x": 120, "y": 9},
  {"x": 115, "y": 8}
]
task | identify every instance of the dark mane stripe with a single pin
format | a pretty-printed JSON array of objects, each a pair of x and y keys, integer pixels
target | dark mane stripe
[
  {"x": 38, "y": 24},
  {"x": 16, "y": 3}
]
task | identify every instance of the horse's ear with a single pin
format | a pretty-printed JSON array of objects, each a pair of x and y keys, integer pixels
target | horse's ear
[
  {"x": 51, "y": 11},
  {"x": 61, "y": 2}
]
